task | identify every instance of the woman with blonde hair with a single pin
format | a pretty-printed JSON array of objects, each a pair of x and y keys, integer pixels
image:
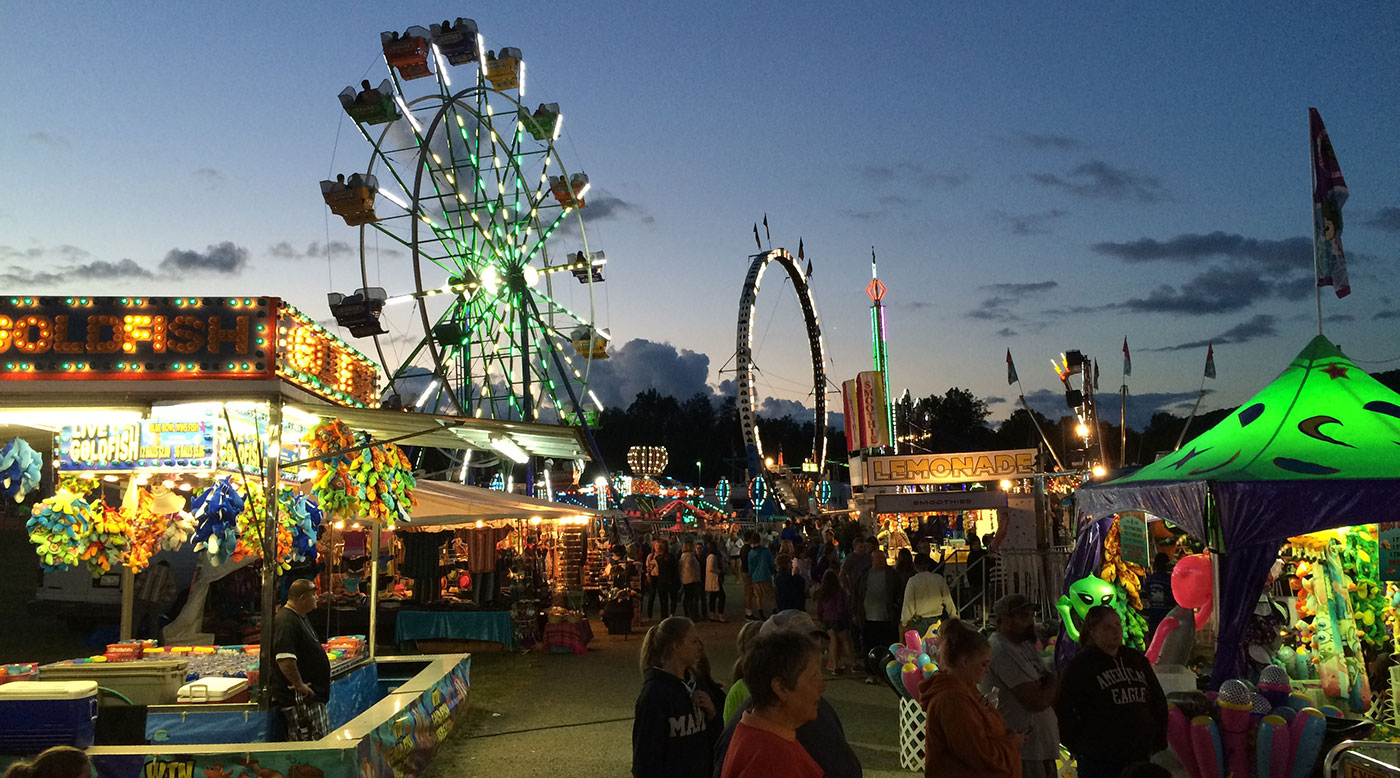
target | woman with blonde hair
[
  {"x": 966, "y": 737},
  {"x": 674, "y": 722}
]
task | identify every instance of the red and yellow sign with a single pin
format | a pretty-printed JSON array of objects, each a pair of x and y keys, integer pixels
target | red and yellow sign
[{"x": 181, "y": 338}]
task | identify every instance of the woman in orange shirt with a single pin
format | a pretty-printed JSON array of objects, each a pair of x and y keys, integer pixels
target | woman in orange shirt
[{"x": 966, "y": 737}]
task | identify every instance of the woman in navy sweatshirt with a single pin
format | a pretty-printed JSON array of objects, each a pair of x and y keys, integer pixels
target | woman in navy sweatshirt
[
  {"x": 1112, "y": 710},
  {"x": 675, "y": 723}
]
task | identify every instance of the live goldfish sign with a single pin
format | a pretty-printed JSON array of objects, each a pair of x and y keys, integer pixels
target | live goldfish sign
[{"x": 178, "y": 338}]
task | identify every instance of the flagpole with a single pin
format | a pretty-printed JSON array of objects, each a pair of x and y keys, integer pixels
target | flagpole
[
  {"x": 1312, "y": 176},
  {"x": 1036, "y": 422},
  {"x": 1199, "y": 397},
  {"x": 1123, "y": 425}
]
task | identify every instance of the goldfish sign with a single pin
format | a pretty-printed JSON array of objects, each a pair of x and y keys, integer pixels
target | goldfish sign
[{"x": 178, "y": 338}]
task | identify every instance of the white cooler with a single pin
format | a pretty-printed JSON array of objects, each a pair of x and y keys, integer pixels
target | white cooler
[{"x": 214, "y": 690}]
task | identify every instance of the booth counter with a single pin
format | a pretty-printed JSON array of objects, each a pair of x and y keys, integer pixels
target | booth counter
[{"x": 423, "y": 699}]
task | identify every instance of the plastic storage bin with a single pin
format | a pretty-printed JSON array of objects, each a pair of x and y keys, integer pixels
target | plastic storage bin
[
  {"x": 214, "y": 690},
  {"x": 144, "y": 683},
  {"x": 42, "y": 714}
]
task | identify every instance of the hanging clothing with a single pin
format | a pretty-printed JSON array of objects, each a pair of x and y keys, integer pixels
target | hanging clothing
[{"x": 420, "y": 562}]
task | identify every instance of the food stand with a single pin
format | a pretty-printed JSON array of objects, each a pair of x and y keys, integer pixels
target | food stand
[{"x": 139, "y": 400}]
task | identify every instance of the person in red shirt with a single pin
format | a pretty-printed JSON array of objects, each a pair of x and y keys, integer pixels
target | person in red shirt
[{"x": 784, "y": 675}]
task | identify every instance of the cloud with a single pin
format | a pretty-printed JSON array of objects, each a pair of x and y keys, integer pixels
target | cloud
[
  {"x": 895, "y": 201},
  {"x": 222, "y": 258},
  {"x": 1387, "y": 219},
  {"x": 337, "y": 249},
  {"x": 1286, "y": 253},
  {"x": 861, "y": 216},
  {"x": 1100, "y": 180},
  {"x": 912, "y": 173},
  {"x": 1217, "y": 290},
  {"x": 639, "y": 365},
  {"x": 1339, "y": 318},
  {"x": 1387, "y": 314},
  {"x": 994, "y": 399},
  {"x": 1028, "y": 223},
  {"x": 604, "y": 205},
  {"x": 209, "y": 178},
  {"x": 998, "y": 307},
  {"x": 774, "y": 408},
  {"x": 96, "y": 270},
  {"x": 1261, "y": 326},
  {"x": 1021, "y": 290},
  {"x": 1007, "y": 332},
  {"x": 48, "y": 139},
  {"x": 1048, "y": 141}
]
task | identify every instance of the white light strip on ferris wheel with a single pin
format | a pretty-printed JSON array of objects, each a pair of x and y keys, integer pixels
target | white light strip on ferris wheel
[
  {"x": 408, "y": 114},
  {"x": 391, "y": 197},
  {"x": 428, "y": 392},
  {"x": 558, "y": 128},
  {"x": 442, "y": 66}
]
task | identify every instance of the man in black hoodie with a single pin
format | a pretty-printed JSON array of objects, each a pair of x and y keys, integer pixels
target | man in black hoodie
[{"x": 1112, "y": 710}]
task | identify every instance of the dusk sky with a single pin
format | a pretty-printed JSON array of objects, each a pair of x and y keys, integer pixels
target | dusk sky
[{"x": 1036, "y": 177}]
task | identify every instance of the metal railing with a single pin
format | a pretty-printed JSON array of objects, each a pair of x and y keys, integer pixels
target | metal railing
[
  {"x": 1362, "y": 759},
  {"x": 1039, "y": 575}
]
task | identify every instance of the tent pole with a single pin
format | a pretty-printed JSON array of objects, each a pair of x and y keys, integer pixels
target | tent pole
[
  {"x": 374, "y": 528},
  {"x": 272, "y": 460}
]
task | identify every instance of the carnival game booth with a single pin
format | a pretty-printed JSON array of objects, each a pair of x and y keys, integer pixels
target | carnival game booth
[
  {"x": 223, "y": 424},
  {"x": 1266, "y": 491},
  {"x": 530, "y": 555}
]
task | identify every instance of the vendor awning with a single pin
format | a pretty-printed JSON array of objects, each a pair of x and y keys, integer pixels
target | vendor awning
[
  {"x": 443, "y": 506},
  {"x": 457, "y": 432}
]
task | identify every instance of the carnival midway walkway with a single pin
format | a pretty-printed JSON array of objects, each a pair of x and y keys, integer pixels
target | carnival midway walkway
[{"x": 571, "y": 715}]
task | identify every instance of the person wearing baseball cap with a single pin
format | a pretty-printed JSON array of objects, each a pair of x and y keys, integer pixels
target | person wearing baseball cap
[
  {"x": 824, "y": 738},
  {"x": 1025, "y": 688}
]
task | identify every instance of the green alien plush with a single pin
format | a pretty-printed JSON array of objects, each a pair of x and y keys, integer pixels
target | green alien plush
[{"x": 1082, "y": 595}]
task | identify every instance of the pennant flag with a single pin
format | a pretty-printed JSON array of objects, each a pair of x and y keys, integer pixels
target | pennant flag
[
  {"x": 1329, "y": 194},
  {"x": 809, "y": 269},
  {"x": 755, "y": 237},
  {"x": 1210, "y": 361},
  {"x": 1011, "y": 376},
  {"x": 1127, "y": 359},
  {"x": 1096, "y": 375},
  {"x": 800, "y": 255},
  {"x": 765, "y": 229}
]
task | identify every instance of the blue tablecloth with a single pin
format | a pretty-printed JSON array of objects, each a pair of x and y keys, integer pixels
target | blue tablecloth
[{"x": 493, "y": 626}]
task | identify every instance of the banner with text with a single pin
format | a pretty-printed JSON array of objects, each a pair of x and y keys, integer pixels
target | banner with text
[
  {"x": 929, "y": 502},
  {"x": 924, "y": 469}
]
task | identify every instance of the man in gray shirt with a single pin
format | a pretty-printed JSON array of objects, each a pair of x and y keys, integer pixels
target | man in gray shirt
[{"x": 1025, "y": 688}]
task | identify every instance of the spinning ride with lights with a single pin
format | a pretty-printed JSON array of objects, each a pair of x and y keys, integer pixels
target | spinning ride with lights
[
  {"x": 464, "y": 178},
  {"x": 744, "y": 367}
]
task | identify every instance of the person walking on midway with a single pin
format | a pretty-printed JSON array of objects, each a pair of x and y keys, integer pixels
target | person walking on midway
[
  {"x": 301, "y": 674},
  {"x": 675, "y": 722},
  {"x": 926, "y": 598},
  {"x": 692, "y": 580},
  {"x": 784, "y": 675},
  {"x": 1112, "y": 710},
  {"x": 875, "y": 604},
  {"x": 714, "y": 581},
  {"x": 966, "y": 737},
  {"x": 761, "y": 570},
  {"x": 834, "y": 613},
  {"x": 1024, "y": 688}
]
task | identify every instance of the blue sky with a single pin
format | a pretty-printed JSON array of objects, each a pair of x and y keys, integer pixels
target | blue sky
[{"x": 1033, "y": 178}]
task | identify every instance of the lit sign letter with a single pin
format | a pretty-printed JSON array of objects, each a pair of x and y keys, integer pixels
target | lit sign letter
[
  {"x": 95, "y": 342},
  {"x": 33, "y": 334},
  {"x": 61, "y": 345},
  {"x": 238, "y": 336}
]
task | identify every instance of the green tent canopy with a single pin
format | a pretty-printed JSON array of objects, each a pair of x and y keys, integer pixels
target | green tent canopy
[
  {"x": 1317, "y": 448},
  {"x": 1322, "y": 418}
]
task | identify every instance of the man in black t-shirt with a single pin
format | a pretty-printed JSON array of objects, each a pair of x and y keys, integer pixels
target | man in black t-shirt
[{"x": 301, "y": 674}]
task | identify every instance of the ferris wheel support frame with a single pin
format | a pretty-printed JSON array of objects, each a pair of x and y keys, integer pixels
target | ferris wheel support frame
[{"x": 748, "y": 298}]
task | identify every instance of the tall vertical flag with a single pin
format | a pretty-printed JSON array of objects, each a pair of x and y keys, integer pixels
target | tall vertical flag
[
  {"x": 1011, "y": 376},
  {"x": 765, "y": 229},
  {"x": 1210, "y": 360},
  {"x": 1127, "y": 359},
  {"x": 758, "y": 242},
  {"x": 1096, "y": 375},
  {"x": 1329, "y": 194}
]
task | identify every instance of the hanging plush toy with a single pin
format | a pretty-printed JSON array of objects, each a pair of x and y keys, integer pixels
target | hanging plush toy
[
  {"x": 216, "y": 512},
  {"x": 1192, "y": 587},
  {"x": 66, "y": 530},
  {"x": 21, "y": 469},
  {"x": 304, "y": 518},
  {"x": 1126, "y": 578}
]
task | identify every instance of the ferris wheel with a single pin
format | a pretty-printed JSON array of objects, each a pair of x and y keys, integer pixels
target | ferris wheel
[{"x": 465, "y": 181}]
